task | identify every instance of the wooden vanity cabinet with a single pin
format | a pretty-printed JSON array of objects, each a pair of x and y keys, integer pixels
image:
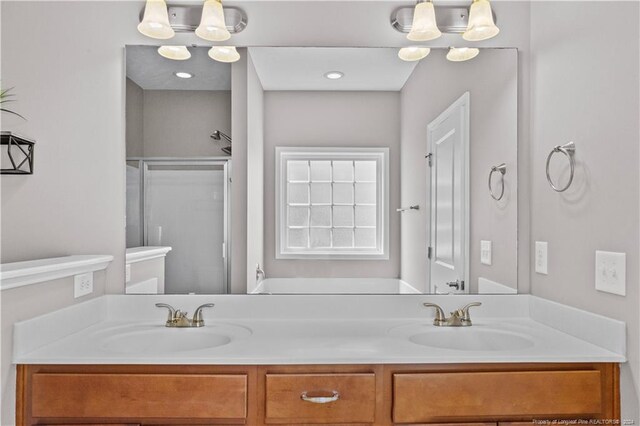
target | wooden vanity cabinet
[{"x": 372, "y": 395}]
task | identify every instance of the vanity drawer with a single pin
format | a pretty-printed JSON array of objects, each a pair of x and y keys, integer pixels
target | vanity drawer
[
  {"x": 339, "y": 398},
  {"x": 190, "y": 396},
  {"x": 439, "y": 397}
]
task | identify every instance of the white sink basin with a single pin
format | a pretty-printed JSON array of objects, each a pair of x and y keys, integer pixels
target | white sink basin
[
  {"x": 162, "y": 340},
  {"x": 472, "y": 339}
]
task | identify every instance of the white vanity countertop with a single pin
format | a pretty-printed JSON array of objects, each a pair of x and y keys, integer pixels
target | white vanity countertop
[{"x": 265, "y": 335}]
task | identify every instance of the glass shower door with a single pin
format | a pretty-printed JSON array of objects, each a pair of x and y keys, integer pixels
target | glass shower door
[{"x": 185, "y": 208}]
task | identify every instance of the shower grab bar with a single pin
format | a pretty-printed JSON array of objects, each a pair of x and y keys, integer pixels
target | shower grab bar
[
  {"x": 502, "y": 169},
  {"x": 568, "y": 150}
]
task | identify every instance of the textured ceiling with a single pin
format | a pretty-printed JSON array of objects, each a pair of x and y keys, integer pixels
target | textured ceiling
[
  {"x": 303, "y": 68},
  {"x": 151, "y": 71}
]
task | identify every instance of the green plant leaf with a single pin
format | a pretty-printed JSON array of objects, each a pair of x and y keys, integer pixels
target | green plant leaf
[{"x": 4, "y": 98}]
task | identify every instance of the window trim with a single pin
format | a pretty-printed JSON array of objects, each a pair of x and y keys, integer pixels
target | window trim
[{"x": 380, "y": 154}]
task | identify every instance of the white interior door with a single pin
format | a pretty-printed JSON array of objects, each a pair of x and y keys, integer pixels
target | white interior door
[{"x": 448, "y": 144}]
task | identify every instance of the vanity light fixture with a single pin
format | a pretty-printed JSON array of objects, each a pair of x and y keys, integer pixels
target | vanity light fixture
[
  {"x": 334, "y": 75},
  {"x": 177, "y": 53},
  {"x": 183, "y": 74},
  {"x": 212, "y": 25},
  {"x": 225, "y": 54},
  {"x": 155, "y": 23},
  {"x": 413, "y": 53},
  {"x": 461, "y": 54},
  {"x": 424, "y": 27},
  {"x": 481, "y": 25}
]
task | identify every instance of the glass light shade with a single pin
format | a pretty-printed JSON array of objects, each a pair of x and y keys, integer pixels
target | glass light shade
[
  {"x": 177, "y": 53},
  {"x": 424, "y": 26},
  {"x": 224, "y": 54},
  {"x": 155, "y": 22},
  {"x": 413, "y": 53},
  {"x": 212, "y": 26},
  {"x": 461, "y": 54},
  {"x": 481, "y": 25}
]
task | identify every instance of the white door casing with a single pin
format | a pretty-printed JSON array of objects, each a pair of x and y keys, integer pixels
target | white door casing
[{"x": 448, "y": 146}]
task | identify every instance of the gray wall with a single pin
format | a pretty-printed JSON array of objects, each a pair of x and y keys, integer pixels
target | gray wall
[
  {"x": 134, "y": 109},
  {"x": 492, "y": 81},
  {"x": 239, "y": 124},
  {"x": 347, "y": 119},
  {"x": 178, "y": 123},
  {"x": 584, "y": 88},
  {"x": 255, "y": 173},
  {"x": 175, "y": 123}
]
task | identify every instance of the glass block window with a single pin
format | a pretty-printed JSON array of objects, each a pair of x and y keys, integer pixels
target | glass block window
[{"x": 332, "y": 203}]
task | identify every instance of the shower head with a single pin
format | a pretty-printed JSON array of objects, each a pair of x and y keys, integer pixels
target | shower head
[{"x": 218, "y": 135}]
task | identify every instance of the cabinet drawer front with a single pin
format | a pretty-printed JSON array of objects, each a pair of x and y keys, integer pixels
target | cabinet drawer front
[
  {"x": 194, "y": 396},
  {"x": 433, "y": 397},
  {"x": 356, "y": 402}
]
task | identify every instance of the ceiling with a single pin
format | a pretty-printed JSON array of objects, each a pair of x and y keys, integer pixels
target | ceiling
[
  {"x": 151, "y": 71},
  {"x": 303, "y": 68}
]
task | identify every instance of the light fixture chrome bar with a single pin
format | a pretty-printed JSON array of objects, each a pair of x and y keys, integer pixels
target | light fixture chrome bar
[
  {"x": 451, "y": 20},
  {"x": 187, "y": 18}
]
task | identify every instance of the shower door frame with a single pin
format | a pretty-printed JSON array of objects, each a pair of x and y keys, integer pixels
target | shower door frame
[{"x": 225, "y": 162}]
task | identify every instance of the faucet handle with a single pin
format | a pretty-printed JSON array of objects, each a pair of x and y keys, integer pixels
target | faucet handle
[
  {"x": 465, "y": 310},
  {"x": 198, "y": 321},
  {"x": 172, "y": 311},
  {"x": 440, "y": 316}
]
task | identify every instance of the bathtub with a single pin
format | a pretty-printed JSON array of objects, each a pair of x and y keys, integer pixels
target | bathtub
[{"x": 334, "y": 286}]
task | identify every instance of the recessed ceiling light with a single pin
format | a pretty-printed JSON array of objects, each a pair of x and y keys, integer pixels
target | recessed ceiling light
[
  {"x": 182, "y": 74},
  {"x": 334, "y": 75}
]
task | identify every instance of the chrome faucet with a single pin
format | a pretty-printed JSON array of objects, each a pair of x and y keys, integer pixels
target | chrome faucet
[
  {"x": 459, "y": 317},
  {"x": 260, "y": 275},
  {"x": 177, "y": 318}
]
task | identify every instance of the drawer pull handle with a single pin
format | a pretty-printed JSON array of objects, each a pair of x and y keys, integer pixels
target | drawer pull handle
[{"x": 319, "y": 399}]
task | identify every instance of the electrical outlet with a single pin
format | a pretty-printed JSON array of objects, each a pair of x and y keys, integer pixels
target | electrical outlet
[
  {"x": 541, "y": 257},
  {"x": 485, "y": 252},
  {"x": 127, "y": 273},
  {"x": 611, "y": 272},
  {"x": 82, "y": 284}
]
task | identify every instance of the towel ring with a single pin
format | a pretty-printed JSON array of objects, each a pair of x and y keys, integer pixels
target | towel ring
[
  {"x": 568, "y": 150},
  {"x": 502, "y": 168}
]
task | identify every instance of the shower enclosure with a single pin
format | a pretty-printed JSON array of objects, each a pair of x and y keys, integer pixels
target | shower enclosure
[{"x": 182, "y": 203}]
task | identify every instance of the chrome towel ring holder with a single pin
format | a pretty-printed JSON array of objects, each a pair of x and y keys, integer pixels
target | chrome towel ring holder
[
  {"x": 568, "y": 150},
  {"x": 502, "y": 169}
]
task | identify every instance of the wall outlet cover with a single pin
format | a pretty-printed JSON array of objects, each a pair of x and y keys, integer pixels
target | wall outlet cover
[
  {"x": 541, "y": 257},
  {"x": 485, "y": 252},
  {"x": 611, "y": 272},
  {"x": 82, "y": 284}
]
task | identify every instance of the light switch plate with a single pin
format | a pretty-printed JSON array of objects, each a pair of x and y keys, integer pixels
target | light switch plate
[
  {"x": 127, "y": 273},
  {"x": 541, "y": 257},
  {"x": 611, "y": 276},
  {"x": 485, "y": 252},
  {"x": 82, "y": 284}
]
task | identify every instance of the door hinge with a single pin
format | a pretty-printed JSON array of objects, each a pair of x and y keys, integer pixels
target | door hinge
[
  {"x": 429, "y": 252},
  {"x": 429, "y": 157}
]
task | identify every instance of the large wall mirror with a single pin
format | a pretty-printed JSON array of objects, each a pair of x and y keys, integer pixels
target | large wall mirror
[{"x": 360, "y": 172}]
